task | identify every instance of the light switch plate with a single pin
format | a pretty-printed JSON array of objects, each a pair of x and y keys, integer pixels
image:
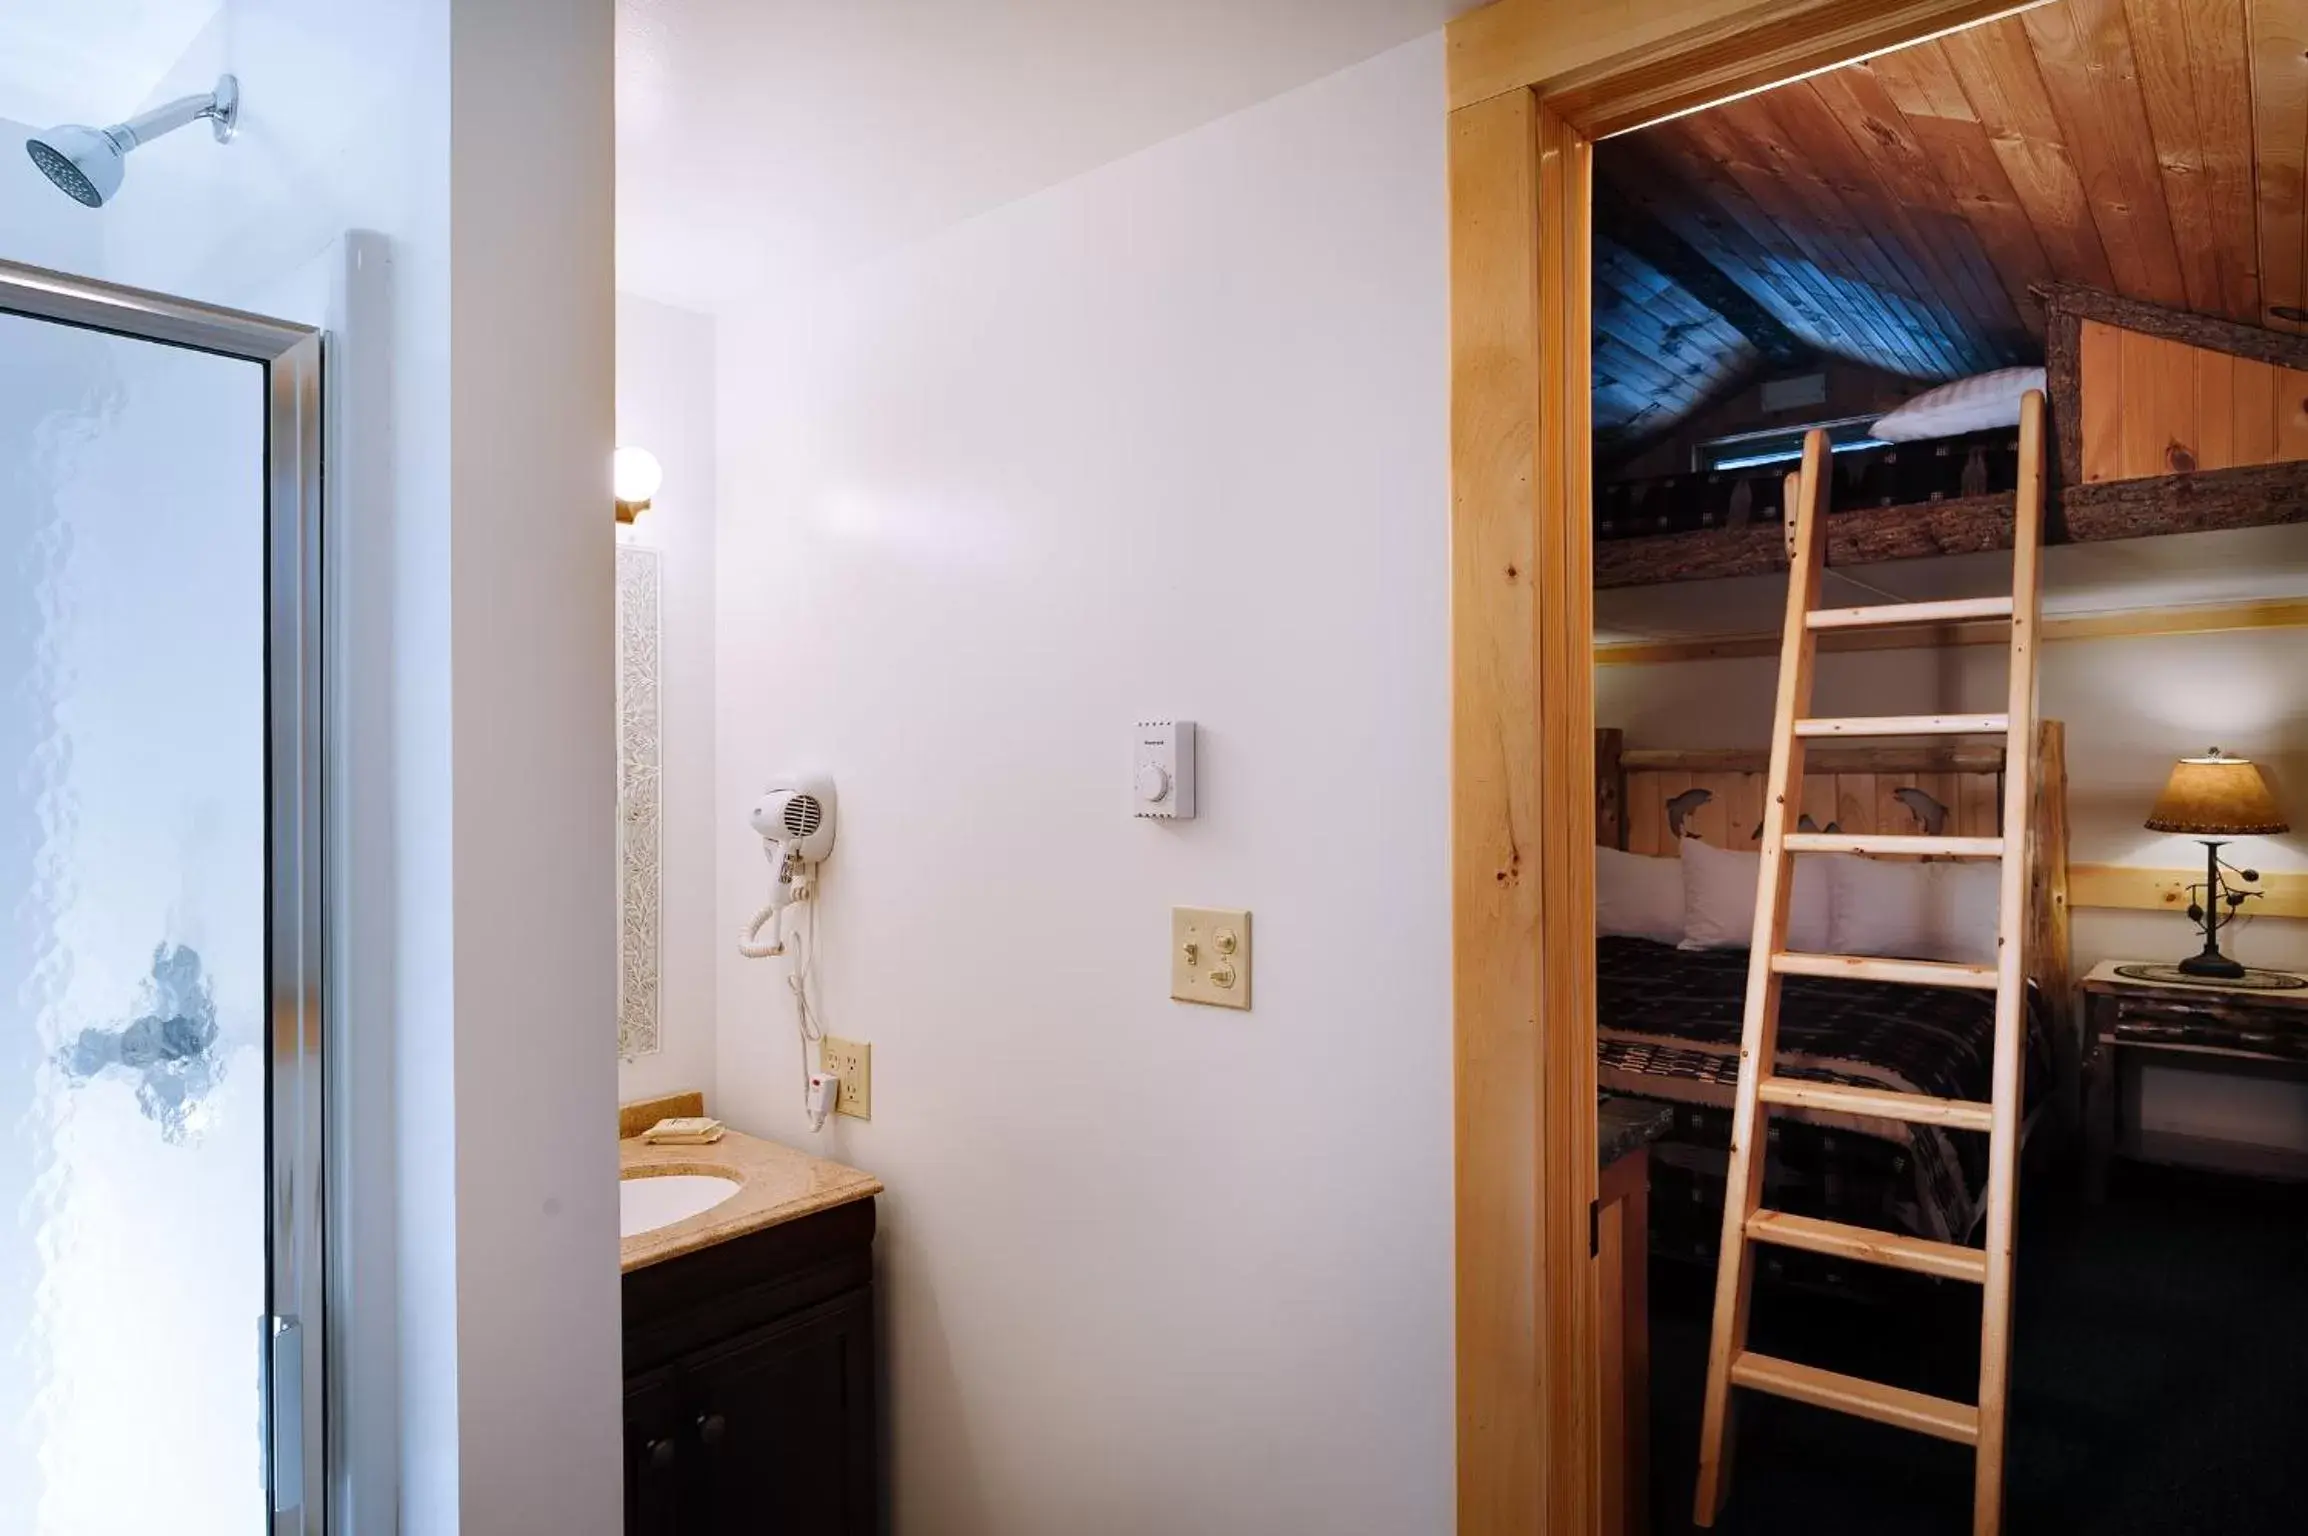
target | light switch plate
[
  {"x": 1210, "y": 956},
  {"x": 853, "y": 1062}
]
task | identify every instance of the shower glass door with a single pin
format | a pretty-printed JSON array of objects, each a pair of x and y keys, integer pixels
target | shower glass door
[{"x": 159, "y": 1253}]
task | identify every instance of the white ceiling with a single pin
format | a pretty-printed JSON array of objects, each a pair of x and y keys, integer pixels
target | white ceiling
[{"x": 763, "y": 144}]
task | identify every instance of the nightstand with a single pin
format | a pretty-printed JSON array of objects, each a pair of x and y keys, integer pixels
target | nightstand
[{"x": 2209, "y": 1024}]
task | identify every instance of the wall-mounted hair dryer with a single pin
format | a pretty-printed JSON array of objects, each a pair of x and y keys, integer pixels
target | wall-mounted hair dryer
[{"x": 794, "y": 818}]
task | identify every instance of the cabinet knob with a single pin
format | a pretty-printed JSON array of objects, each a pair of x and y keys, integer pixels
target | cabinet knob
[
  {"x": 662, "y": 1454},
  {"x": 712, "y": 1429}
]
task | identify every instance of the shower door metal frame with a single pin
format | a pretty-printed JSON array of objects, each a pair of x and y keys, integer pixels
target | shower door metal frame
[{"x": 294, "y": 1336}]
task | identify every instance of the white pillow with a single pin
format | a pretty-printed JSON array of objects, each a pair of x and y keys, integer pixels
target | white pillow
[
  {"x": 1968, "y": 405},
  {"x": 1915, "y": 911},
  {"x": 1970, "y": 899},
  {"x": 1638, "y": 896},
  {"x": 1719, "y": 899}
]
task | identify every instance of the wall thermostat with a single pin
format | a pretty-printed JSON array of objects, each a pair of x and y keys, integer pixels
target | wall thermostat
[{"x": 1162, "y": 769}]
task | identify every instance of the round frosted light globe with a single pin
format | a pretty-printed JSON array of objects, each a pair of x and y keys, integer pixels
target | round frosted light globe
[{"x": 635, "y": 475}]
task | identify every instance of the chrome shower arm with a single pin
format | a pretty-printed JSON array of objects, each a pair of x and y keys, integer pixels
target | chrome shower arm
[{"x": 221, "y": 106}]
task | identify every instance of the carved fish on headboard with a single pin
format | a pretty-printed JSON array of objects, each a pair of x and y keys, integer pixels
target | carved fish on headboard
[
  {"x": 1928, "y": 813},
  {"x": 1683, "y": 805}
]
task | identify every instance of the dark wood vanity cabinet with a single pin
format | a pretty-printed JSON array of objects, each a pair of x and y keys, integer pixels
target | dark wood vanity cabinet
[{"x": 749, "y": 1385}]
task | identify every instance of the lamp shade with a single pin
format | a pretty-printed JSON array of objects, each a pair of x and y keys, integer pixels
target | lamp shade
[{"x": 2217, "y": 795}]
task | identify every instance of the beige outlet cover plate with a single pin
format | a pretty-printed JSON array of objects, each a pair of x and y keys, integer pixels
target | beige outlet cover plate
[
  {"x": 1210, "y": 956},
  {"x": 853, "y": 1062}
]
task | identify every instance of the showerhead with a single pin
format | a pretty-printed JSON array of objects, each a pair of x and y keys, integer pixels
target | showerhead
[{"x": 87, "y": 163}]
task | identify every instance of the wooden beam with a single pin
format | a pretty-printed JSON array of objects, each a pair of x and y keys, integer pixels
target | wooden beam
[
  {"x": 1752, "y": 49},
  {"x": 1497, "y": 1044},
  {"x": 2282, "y": 348},
  {"x": 2137, "y": 888},
  {"x": 1615, "y": 60},
  {"x": 1522, "y": 822},
  {"x": 2064, "y": 392},
  {"x": 1512, "y": 45},
  {"x": 1962, "y": 525},
  {"x": 2128, "y": 624},
  {"x": 1563, "y": 587},
  {"x": 2249, "y": 496}
]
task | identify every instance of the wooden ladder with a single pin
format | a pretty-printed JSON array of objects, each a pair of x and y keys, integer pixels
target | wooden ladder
[{"x": 1730, "y": 1363}]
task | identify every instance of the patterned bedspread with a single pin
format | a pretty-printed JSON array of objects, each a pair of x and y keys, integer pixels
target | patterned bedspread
[{"x": 1669, "y": 1029}]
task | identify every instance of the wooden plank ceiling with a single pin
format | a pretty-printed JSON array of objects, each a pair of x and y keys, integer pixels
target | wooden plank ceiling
[
  {"x": 1898, "y": 211},
  {"x": 1660, "y": 352}
]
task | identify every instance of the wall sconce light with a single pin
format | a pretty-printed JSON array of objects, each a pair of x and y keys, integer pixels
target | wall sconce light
[{"x": 634, "y": 476}]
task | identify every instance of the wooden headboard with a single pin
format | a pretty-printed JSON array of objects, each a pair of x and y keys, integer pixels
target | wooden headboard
[{"x": 1648, "y": 800}]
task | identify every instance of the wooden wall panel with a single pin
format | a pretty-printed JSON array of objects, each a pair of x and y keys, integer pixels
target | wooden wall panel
[
  {"x": 1819, "y": 800},
  {"x": 1646, "y": 815},
  {"x": 2153, "y": 406},
  {"x": 2253, "y": 399},
  {"x": 2214, "y": 406},
  {"x": 2291, "y": 415},
  {"x": 1732, "y": 813}
]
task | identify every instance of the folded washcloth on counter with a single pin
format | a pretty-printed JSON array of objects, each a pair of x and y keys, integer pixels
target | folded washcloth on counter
[{"x": 683, "y": 1131}]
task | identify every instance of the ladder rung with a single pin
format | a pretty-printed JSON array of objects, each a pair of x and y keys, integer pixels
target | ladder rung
[
  {"x": 1887, "y": 614},
  {"x": 1921, "y": 1255},
  {"x": 1917, "y": 845},
  {"x": 1866, "y": 1399},
  {"x": 1908, "y": 725},
  {"x": 1915, "y": 1108},
  {"x": 1907, "y": 973}
]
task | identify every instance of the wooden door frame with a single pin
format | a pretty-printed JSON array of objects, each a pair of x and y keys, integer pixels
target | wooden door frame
[{"x": 1532, "y": 82}]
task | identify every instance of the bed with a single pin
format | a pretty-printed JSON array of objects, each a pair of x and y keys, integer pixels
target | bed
[{"x": 1669, "y": 1020}]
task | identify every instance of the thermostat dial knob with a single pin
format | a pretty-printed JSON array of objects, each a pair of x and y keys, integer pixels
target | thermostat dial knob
[{"x": 1153, "y": 783}]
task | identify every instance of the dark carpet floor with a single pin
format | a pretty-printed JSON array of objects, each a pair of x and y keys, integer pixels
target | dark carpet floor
[{"x": 2160, "y": 1379}]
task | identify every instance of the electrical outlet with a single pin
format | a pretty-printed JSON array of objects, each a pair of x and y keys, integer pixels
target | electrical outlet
[
  {"x": 853, "y": 1062},
  {"x": 1210, "y": 956}
]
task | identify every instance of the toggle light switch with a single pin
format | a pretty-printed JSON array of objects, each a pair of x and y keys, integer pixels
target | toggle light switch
[{"x": 1210, "y": 956}]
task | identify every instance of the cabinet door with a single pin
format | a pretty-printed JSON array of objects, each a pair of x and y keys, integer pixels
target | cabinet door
[
  {"x": 784, "y": 1427},
  {"x": 658, "y": 1464}
]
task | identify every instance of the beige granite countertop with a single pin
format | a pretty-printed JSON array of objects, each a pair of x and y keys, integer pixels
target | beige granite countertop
[{"x": 780, "y": 1183}]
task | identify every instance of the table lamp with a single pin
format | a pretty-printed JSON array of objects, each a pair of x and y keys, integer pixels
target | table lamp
[{"x": 2216, "y": 797}]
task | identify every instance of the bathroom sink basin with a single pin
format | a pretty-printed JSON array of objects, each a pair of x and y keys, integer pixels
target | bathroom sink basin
[{"x": 645, "y": 1204}]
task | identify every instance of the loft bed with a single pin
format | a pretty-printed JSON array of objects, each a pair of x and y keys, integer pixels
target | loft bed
[
  {"x": 2163, "y": 422},
  {"x": 1668, "y": 1019}
]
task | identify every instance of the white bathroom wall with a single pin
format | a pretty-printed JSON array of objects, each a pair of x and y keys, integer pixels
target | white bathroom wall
[
  {"x": 1168, "y": 439},
  {"x": 532, "y": 388},
  {"x": 665, "y": 403},
  {"x": 474, "y": 394}
]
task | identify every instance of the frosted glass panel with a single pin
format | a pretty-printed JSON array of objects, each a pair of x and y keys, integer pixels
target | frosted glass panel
[{"x": 132, "y": 936}]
